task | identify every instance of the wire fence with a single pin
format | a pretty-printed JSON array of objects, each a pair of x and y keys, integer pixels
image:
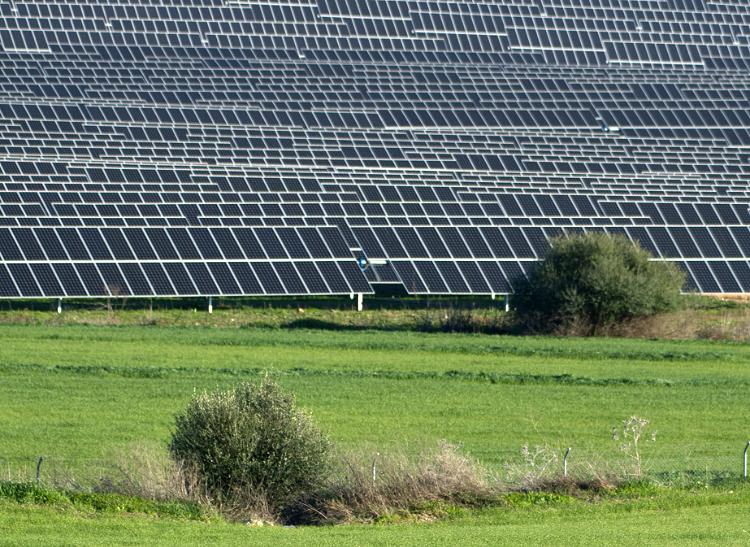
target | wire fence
[{"x": 689, "y": 464}]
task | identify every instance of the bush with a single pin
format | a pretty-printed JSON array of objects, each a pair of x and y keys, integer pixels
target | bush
[
  {"x": 591, "y": 280},
  {"x": 250, "y": 442}
]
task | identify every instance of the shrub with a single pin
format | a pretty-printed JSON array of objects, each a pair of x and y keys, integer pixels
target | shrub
[
  {"x": 591, "y": 280},
  {"x": 250, "y": 442}
]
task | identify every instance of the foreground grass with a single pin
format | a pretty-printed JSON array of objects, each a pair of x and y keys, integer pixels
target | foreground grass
[
  {"x": 80, "y": 393},
  {"x": 663, "y": 517}
]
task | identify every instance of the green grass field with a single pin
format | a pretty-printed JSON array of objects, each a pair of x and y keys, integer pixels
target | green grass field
[{"x": 80, "y": 394}]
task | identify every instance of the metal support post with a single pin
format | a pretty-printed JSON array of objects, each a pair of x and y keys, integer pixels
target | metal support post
[
  {"x": 565, "y": 462},
  {"x": 744, "y": 458},
  {"x": 59, "y": 305},
  {"x": 507, "y": 302},
  {"x": 210, "y": 304},
  {"x": 360, "y": 301}
]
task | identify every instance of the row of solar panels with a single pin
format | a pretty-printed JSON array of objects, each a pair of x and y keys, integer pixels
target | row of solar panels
[
  {"x": 636, "y": 32},
  {"x": 146, "y": 279},
  {"x": 393, "y": 243},
  {"x": 35, "y": 280}
]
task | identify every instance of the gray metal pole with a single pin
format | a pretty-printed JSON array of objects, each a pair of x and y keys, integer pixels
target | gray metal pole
[
  {"x": 565, "y": 462},
  {"x": 744, "y": 458},
  {"x": 39, "y": 468}
]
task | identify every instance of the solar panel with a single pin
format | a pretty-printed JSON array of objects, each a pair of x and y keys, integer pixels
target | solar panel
[{"x": 240, "y": 148}]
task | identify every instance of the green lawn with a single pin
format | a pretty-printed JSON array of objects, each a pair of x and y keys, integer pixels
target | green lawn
[
  {"x": 79, "y": 394},
  {"x": 671, "y": 518}
]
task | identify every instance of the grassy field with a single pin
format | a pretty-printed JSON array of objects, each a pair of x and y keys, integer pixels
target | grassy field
[
  {"x": 665, "y": 518},
  {"x": 78, "y": 395}
]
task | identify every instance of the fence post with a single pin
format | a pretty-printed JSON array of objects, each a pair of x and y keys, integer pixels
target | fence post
[
  {"x": 744, "y": 462},
  {"x": 39, "y": 468},
  {"x": 565, "y": 462},
  {"x": 375, "y": 467}
]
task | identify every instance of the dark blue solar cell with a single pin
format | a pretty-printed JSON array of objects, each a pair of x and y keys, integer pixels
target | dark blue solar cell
[
  {"x": 268, "y": 278},
  {"x": 335, "y": 242},
  {"x": 742, "y": 274},
  {"x": 117, "y": 244},
  {"x": 114, "y": 280},
  {"x": 95, "y": 244},
  {"x": 411, "y": 242},
  {"x": 28, "y": 244},
  {"x": 703, "y": 276},
  {"x": 8, "y": 248},
  {"x": 47, "y": 280},
  {"x": 454, "y": 242},
  {"x": 390, "y": 243},
  {"x": 354, "y": 278},
  {"x": 158, "y": 279},
  {"x": 292, "y": 243},
  {"x": 92, "y": 279},
  {"x": 7, "y": 286},
  {"x": 474, "y": 277},
  {"x": 334, "y": 278},
  {"x": 224, "y": 278},
  {"x": 431, "y": 276},
  {"x": 314, "y": 243},
  {"x": 725, "y": 277},
  {"x": 183, "y": 243},
  {"x": 290, "y": 278},
  {"x": 227, "y": 243},
  {"x": 452, "y": 276},
  {"x": 180, "y": 279},
  {"x": 495, "y": 277},
  {"x": 205, "y": 243},
  {"x": 410, "y": 278},
  {"x": 73, "y": 244},
  {"x": 52, "y": 246},
  {"x": 69, "y": 279},
  {"x": 271, "y": 243},
  {"x": 247, "y": 279},
  {"x": 705, "y": 242},
  {"x": 135, "y": 278},
  {"x": 24, "y": 280},
  {"x": 513, "y": 271},
  {"x": 202, "y": 278},
  {"x": 517, "y": 242},
  {"x": 249, "y": 243},
  {"x": 311, "y": 277},
  {"x": 493, "y": 238},
  {"x": 434, "y": 243},
  {"x": 726, "y": 242}
]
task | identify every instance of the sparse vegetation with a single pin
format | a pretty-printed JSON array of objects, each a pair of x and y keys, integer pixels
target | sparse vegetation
[
  {"x": 592, "y": 280},
  {"x": 397, "y": 484}
]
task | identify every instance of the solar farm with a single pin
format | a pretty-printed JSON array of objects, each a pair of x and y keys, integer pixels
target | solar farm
[
  {"x": 288, "y": 152},
  {"x": 225, "y": 148}
]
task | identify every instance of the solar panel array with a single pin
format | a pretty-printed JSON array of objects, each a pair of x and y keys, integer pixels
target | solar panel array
[{"x": 240, "y": 147}]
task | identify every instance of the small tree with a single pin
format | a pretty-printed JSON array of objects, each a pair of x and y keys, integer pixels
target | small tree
[
  {"x": 248, "y": 441},
  {"x": 595, "y": 279}
]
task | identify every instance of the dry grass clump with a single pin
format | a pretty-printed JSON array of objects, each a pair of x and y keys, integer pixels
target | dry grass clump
[
  {"x": 689, "y": 324},
  {"x": 399, "y": 484},
  {"x": 146, "y": 471}
]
